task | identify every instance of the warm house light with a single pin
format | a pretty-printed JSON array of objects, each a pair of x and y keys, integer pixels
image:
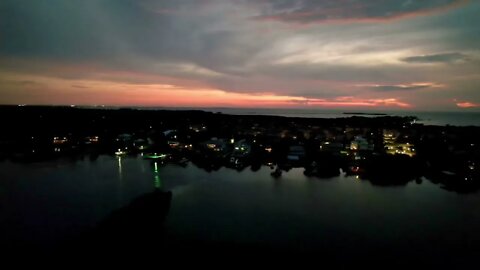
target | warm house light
[{"x": 60, "y": 140}]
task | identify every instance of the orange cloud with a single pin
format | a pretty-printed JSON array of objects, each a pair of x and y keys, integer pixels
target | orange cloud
[
  {"x": 61, "y": 91},
  {"x": 467, "y": 105}
]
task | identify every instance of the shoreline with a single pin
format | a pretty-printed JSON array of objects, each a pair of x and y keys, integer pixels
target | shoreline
[{"x": 430, "y": 118}]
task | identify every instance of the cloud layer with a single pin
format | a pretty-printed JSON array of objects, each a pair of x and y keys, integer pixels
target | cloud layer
[
  {"x": 437, "y": 58},
  {"x": 402, "y": 87},
  {"x": 415, "y": 54},
  {"x": 308, "y": 11}
]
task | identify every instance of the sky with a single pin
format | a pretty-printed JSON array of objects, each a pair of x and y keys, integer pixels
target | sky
[{"x": 411, "y": 55}]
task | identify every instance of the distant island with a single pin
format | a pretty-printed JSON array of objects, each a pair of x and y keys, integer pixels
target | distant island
[{"x": 363, "y": 113}]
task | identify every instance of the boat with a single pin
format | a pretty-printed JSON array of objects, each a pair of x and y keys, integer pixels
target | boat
[{"x": 156, "y": 156}]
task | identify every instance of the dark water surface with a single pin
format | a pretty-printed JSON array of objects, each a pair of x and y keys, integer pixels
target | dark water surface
[{"x": 44, "y": 203}]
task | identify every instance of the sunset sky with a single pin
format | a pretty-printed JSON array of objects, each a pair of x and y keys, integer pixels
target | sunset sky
[{"x": 378, "y": 54}]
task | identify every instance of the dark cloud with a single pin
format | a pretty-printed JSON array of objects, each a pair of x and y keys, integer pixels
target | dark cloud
[
  {"x": 22, "y": 83},
  {"x": 307, "y": 11},
  {"x": 437, "y": 58},
  {"x": 28, "y": 83},
  {"x": 402, "y": 87},
  {"x": 79, "y": 86},
  {"x": 76, "y": 30},
  {"x": 126, "y": 33}
]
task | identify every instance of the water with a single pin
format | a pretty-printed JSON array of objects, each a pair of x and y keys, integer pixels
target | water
[
  {"x": 453, "y": 118},
  {"x": 44, "y": 203},
  {"x": 470, "y": 118}
]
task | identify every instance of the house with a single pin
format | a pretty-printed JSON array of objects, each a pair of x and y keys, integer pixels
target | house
[
  {"x": 242, "y": 148},
  {"x": 296, "y": 153},
  {"x": 216, "y": 145},
  {"x": 360, "y": 144},
  {"x": 332, "y": 147}
]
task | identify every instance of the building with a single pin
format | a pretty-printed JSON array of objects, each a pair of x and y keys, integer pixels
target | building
[
  {"x": 394, "y": 148},
  {"x": 216, "y": 145},
  {"x": 242, "y": 148},
  {"x": 360, "y": 144},
  {"x": 296, "y": 153},
  {"x": 332, "y": 147}
]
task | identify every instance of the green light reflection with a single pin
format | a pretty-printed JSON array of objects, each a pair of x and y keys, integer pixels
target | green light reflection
[
  {"x": 120, "y": 169},
  {"x": 157, "y": 181}
]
